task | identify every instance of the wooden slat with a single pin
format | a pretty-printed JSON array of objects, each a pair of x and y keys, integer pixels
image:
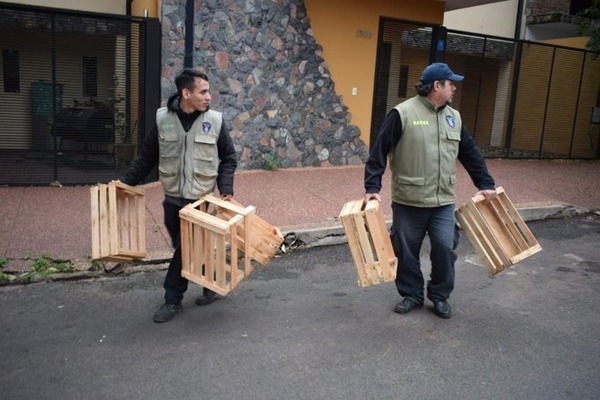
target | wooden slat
[
  {"x": 369, "y": 242},
  {"x": 497, "y": 231},
  {"x": 95, "y": 194}
]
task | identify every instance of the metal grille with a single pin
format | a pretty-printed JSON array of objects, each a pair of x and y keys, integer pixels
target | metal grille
[
  {"x": 519, "y": 100},
  {"x": 75, "y": 103}
]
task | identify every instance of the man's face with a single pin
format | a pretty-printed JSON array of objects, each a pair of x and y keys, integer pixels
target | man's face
[
  {"x": 446, "y": 91},
  {"x": 197, "y": 99}
]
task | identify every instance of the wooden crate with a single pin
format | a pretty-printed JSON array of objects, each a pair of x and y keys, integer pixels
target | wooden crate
[
  {"x": 206, "y": 239},
  {"x": 265, "y": 239},
  {"x": 118, "y": 222},
  {"x": 497, "y": 231},
  {"x": 369, "y": 242}
]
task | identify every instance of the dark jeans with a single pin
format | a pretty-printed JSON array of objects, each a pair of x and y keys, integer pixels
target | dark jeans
[
  {"x": 175, "y": 285},
  {"x": 409, "y": 226}
]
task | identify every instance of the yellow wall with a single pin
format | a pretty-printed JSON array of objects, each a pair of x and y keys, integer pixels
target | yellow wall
[
  {"x": 138, "y": 7},
  {"x": 347, "y": 30},
  {"x": 578, "y": 42}
]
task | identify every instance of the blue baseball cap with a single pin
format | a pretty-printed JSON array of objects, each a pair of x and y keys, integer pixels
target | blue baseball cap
[{"x": 439, "y": 72}]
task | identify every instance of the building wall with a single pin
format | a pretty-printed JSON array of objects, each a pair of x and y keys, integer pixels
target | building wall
[
  {"x": 545, "y": 7},
  {"x": 496, "y": 19},
  {"x": 283, "y": 71},
  {"x": 349, "y": 41}
]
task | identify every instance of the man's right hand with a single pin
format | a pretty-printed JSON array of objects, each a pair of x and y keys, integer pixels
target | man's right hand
[{"x": 371, "y": 196}]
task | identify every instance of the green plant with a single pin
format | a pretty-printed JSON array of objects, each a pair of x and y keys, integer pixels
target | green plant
[
  {"x": 272, "y": 162},
  {"x": 97, "y": 265},
  {"x": 45, "y": 266},
  {"x": 4, "y": 277},
  {"x": 590, "y": 26}
]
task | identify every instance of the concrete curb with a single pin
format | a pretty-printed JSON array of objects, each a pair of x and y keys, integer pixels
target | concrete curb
[
  {"x": 333, "y": 235},
  {"x": 303, "y": 238}
]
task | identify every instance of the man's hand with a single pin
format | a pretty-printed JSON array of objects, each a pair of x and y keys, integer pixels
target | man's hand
[
  {"x": 487, "y": 194},
  {"x": 226, "y": 197},
  {"x": 371, "y": 196}
]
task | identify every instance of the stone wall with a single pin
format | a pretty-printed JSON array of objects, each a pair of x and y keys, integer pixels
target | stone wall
[
  {"x": 545, "y": 7},
  {"x": 268, "y": 77}
]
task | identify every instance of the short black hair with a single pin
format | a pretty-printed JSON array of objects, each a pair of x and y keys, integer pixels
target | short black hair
[{"x": 186, "y": 79}]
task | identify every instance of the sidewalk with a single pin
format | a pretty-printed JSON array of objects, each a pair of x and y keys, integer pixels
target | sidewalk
[{"x": 37, "y": 221}]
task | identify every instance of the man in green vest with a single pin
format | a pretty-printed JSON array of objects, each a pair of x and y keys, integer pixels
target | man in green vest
[
  {"x": 195, "y": 155},
  {"x": 422, "y": 138}
]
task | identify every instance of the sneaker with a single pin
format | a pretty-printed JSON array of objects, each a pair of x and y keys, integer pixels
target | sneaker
[
  {"x": 407, "y": 305},
  {"x": 167, "y": 311},
  {"x": 208, "y": 296}
]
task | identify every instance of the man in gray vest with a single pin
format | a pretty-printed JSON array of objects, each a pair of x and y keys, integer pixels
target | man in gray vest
[
  {"x": 195, "y": 155},
  {"x": 423, "y": 137}
]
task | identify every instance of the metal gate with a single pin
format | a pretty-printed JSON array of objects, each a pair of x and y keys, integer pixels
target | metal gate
[
  {"x": 71, "y": 107},
  {"x": 518, "y": 100}
]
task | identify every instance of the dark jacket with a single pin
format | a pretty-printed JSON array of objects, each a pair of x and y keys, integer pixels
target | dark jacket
[{"x": 148, "y": 153}]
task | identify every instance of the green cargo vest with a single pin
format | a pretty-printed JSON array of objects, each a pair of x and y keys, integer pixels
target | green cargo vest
[
  {"x": 423, "y": 163},
  {"x": 189, "y": 161}
]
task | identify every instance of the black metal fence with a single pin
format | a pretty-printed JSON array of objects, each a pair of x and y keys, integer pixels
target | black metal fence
[
  {"x": 75, "y": 90},
  {"x": 519, "y": 99}
]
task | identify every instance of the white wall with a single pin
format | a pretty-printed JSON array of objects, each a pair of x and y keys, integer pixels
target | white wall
[
  {"x": 101, "y": 6},
  {"x": 496, "y": 19}
]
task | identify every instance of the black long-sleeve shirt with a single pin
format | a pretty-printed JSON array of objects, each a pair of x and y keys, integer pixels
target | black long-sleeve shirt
[{"x": 389, "y": 136}]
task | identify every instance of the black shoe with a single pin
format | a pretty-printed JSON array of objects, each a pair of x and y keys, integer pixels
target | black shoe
[
  {"x": 208, "y": 296},
  {"x": 406, "y": 305},
  {"x": 442, "y": 309},
  {"x": 167, "y": 311}
]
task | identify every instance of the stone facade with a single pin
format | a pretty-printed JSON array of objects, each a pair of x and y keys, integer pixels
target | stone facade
[
  {"x": 268, "y": 77},
  {"x": 545, "y": 7}
]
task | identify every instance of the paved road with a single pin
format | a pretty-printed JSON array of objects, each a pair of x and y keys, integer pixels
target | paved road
[{"x": 303, "y": 329}]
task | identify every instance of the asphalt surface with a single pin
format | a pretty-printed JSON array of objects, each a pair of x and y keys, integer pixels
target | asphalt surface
[{"x": 301, "y": 328}]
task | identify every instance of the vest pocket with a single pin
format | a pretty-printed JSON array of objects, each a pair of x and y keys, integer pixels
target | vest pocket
[
  {"x": 204, "y": 180},
  {"x": 411, "y": 180},
  {"x": 169, "y": 179}
]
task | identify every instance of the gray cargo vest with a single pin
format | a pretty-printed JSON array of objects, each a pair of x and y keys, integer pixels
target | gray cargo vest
[
  {"x": 189, "y": 161},
  {"x": 423, "y": 163}
]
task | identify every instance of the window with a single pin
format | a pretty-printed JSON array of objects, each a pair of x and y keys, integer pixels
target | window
[
  {"x": 403, "y": 81},
  {"x": 10, "y": 64},
  {"x": 90, "y": 76}
]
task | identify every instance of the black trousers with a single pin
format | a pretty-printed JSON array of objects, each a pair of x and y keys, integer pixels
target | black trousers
[{"x": 175, "y": 285}]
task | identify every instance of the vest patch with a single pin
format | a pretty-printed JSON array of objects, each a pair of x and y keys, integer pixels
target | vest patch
[
  {"x": 423, "y": 122},
  {"x": 206, "y": 127},
  {"x": 450, "y": 120}
]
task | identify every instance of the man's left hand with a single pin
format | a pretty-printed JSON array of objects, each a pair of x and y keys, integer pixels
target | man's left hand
[{"x": 487, "y": 194}]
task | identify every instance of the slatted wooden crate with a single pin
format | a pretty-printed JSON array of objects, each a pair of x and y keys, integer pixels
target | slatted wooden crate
[
  {"x": 497, "y": 231},
  {"x": 206, "y": 239},
  {"x": 118, "y": 222},
  {"x": 369, "y": 242},
  {"x": 265, "y": 239}
]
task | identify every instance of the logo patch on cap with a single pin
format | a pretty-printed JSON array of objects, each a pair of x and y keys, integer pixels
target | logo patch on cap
[
  {"x": 206, "y": 127},
  {"x": 450, "y": 121}
]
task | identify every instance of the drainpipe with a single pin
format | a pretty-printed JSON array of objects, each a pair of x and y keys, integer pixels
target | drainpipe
[
  {"x": 515, "y": 83},
  {"x": 188, "y": 58},
  {"x": 520, "y": 6}
]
